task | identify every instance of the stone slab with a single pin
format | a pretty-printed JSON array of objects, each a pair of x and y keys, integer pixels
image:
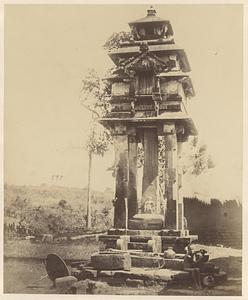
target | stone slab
[{"x": 111, "y": 261}]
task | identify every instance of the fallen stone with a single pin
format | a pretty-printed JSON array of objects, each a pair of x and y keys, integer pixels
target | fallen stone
[
  {"x": 111, "y": 261},
  {"x": 79, "y": 287},
  {"x": 65, "y": 282},
  {"x": 88, "y": 273},
  {"x": 97, "y": 287}
]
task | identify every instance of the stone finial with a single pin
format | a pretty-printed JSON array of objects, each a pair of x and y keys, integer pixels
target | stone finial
[{"x": 151, "y": 11}]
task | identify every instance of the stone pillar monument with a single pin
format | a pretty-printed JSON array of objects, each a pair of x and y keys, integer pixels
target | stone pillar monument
[{"x": 150, "y": 91}]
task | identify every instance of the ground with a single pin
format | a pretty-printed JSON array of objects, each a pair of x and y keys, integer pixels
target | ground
[{"x": 23, "y": 264}]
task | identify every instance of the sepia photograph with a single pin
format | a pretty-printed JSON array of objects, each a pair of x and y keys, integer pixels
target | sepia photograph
[{"x": 123, "y": 149}]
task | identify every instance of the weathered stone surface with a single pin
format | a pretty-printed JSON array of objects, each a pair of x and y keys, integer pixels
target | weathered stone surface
[
  {"x": 109, "y": 261},
  {"x": 65, "y": 282}
]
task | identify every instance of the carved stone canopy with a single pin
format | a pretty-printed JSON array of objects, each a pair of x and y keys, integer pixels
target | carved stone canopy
[{"x": 146, "y": 62}]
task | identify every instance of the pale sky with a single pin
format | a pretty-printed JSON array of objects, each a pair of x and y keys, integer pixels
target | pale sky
[{"x": 48, "y": 49}]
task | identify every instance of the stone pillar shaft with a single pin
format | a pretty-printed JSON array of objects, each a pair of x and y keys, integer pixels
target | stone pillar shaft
[
  {"x": 132, "y": 184},
  {"x": 170, "y": 175},
  {"x": 180, "y": 208},
  {"x": 150, "y": 171},
  {"x": 121, "y": 191}
]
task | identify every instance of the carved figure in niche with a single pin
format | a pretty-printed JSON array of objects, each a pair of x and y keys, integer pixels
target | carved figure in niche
[
  {"x": 134, "y": 32},
  {"x": 160, "y": 30},
  {"x": 142, "y": 32},
  {"x": 132, "y": 108},
  {"x": 149, "y": 207}
]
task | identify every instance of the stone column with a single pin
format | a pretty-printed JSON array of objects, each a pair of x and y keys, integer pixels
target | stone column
[
  {"x": 150, "y": 171},
  {"x": 132, "y": 183},
  {"x": 170, "y": 175},
  {"x": 121, "y": 164},
  {"x": 180, "y": 210}
]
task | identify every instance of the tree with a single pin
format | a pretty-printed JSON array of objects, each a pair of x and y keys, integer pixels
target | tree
[
  {"x": 94, "y": 97},
  {"x": 197, "y": 159}
]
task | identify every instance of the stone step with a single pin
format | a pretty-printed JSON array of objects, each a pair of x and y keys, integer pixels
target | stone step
[
  {"x": 140, "y": 239},
  {"x": 156, "y": 262},
  {"x": 138, "y": 246},
  {"x": 131, "y": 232}
]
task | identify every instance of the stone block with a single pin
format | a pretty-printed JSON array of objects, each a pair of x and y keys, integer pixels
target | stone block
[
  {"x": 65, "y": 282},
  {"x": 109, "y": 261}
]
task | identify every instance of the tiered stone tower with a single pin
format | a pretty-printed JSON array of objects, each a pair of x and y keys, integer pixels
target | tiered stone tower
[{"x": 150, "y": 91}]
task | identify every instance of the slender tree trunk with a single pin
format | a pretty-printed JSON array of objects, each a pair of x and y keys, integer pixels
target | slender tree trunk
[{"x": 88, "y": 224}]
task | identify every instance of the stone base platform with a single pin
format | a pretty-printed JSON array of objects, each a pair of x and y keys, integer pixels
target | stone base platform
[{"x": 147, "y": 240}]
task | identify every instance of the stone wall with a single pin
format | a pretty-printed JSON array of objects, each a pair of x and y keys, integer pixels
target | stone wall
[{"x": 215, "y": 222}]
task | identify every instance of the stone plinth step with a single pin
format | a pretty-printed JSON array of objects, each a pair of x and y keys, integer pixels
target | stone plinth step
[
  {"x": 146, "y": 261},
  {"x": 132, "y": 232},
  {"x": 140, "y": 238},
  {"x": 156, "y": 262},
  {"x": 138, "y": 246}
]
